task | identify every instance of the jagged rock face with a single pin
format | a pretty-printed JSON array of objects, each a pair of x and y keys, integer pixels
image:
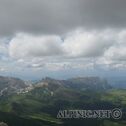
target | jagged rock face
[{"x": 10, "y": 85}]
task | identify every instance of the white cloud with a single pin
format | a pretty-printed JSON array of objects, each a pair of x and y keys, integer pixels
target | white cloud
[
  {"x": 106, "y": 47},
  {"x": 2, "y": 69},
  {"x": 88, "y": 44},
  {"x": 116, "y": 53},
  {"x": 24, "y": 46},
  {"x": 76, "y": 44}
]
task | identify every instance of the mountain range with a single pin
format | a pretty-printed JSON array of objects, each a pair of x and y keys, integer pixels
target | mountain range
[{"x": 25, "y": 103}]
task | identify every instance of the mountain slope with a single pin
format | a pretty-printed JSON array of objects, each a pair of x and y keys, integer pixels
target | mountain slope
[{"x": 9, "y": 85}]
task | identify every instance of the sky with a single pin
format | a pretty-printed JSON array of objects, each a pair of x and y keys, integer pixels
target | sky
[{"x": 62, "y": 38}]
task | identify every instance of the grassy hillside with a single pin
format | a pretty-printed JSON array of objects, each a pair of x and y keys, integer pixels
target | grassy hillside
[{"x": 115, "y": 96}]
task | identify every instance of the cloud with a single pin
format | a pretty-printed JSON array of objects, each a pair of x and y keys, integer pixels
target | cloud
[
  {"x": 24, "y": 46},
  {"x": 2, "y": 69},
  {"x": 118, "y": 51},
  {"x": 60, "y": 16},
  {"x": 75, "y": 44},
  {"x": 106, "y": 48},
  {"x": 88, "y": 44},
  {"x": 3, "y": 49},
  {"x": 38, "y": 51}
]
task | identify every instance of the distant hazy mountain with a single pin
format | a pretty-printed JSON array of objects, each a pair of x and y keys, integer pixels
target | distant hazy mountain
[
  {"x": 80, "y": 83},
  {"x": 10, "y": 85},
  {"x": 117, "y": 82},
  {"x": 89, "y": 83}
]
